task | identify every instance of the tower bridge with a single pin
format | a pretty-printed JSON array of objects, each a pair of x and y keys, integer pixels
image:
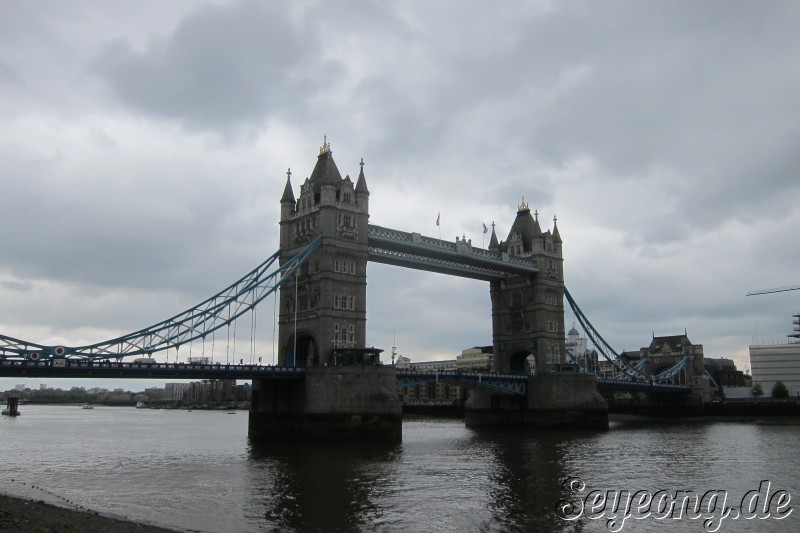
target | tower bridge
[{"x": 334, "y": 388}]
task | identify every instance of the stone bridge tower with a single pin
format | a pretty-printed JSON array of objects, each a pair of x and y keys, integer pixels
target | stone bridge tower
[
  {"x": 325, "y": 306},
  {"x": 528, "y": 311}
]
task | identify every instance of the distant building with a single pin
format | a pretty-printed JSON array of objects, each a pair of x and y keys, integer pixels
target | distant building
[
  {"x": 665, "y": 354},
  {"x": 402, "y": 362},
  {"x": 174, "y": 391},
  {"x": 778, "y": 362},
  {"x": 578, "y": 352},
  {"x": 445, "y": 364},
  {"x": 729, "y": 382},
  {"x": 476, "y": 358}
]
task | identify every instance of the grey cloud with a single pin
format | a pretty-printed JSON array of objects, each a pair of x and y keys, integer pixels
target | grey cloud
[
  {"x": 224, "y": 66},
  {"x": 17, "y": 286}
]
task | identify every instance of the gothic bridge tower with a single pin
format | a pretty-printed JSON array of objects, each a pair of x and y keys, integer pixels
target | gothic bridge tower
[
  {"x": 528, "y": 311},
  {"x": 325, "y": 306}
]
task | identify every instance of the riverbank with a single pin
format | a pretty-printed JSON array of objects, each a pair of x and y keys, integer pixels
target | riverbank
[{"x": 29, "y": 516}]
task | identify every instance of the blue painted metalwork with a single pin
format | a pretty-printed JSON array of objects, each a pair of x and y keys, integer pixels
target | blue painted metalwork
[
  {"x": 89, "y": 368},
  {"x": 510, "y": 384},
  {"x": 602, "y": 346},
  {"x": 638, "y": 367},
  {"x": 645, "y": 386},
  {"x": 457, "y": 258},
  {"x": 712, "y": 380},
  {"x": 671, "y": 372},
  {"x": 195, "y": 323}
]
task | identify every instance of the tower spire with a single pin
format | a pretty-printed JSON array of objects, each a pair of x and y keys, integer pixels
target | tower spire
[
  {"x": 361, "y": 182},
  {"x": 556, "y": 235},
  {"x": 288, "y": 193}
]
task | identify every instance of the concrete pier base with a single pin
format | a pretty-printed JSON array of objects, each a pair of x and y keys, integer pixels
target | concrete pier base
[
  {"x": 357, "y": 403},
  {"x": 553, "y": 402}
]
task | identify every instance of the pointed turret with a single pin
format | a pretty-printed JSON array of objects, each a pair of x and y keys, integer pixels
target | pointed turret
[
  {"x": 288, "y": 193},
  {"x": 361, "y": 183},
  {"x": 537, "y": 229},
  {"x": 556, "y": 235},
  {"x": 493, "y": 243},
  {"x": 325, "y": 171},
  {"x": 524, "y": 226}
]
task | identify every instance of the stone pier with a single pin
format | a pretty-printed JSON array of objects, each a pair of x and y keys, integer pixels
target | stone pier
[
  {"x": 553, "y": 401},
  {"x": 357, "y": 403}
]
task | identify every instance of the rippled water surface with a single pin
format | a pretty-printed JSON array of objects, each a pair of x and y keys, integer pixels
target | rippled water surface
[{"x": 197, "y": 471}]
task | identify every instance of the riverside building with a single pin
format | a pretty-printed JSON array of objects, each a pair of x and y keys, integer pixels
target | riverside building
[{"x": 770, "y": 363}]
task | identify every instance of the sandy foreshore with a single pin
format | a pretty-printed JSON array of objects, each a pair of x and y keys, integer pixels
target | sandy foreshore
[{"x": 34, "y": 516}]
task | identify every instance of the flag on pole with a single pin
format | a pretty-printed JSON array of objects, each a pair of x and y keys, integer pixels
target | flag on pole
[
  {"x": 485, "y": 229},
  {"x": 437, "y": 217}
]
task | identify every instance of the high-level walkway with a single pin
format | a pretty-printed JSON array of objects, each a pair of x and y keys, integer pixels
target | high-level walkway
[{"x": 457, "y": 258}]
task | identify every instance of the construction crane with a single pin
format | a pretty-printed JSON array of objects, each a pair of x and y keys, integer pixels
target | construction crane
[{"x": 776, "y": 289}]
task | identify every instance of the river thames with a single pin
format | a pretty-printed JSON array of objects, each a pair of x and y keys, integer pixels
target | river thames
[{"x": 196, "y": 471}]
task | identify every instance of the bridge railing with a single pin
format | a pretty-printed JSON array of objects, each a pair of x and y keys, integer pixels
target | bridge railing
[{"x": 14, "y": 367}]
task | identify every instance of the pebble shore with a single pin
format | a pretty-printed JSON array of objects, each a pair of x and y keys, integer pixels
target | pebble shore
[{"x": 34, "y": 516}]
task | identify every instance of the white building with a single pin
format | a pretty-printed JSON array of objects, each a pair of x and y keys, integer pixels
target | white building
[
  {"x": 476, "y": 358},
  {"x": 778, "y": 362},
  {"x": 174, "y": 391},
  {"x": 578, "y": 352}
]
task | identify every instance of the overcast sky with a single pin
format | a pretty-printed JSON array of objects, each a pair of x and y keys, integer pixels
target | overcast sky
[{"x": 144, "y": 148}]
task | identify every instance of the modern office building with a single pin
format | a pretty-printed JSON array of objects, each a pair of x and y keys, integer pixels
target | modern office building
[{"x": 770, "y": 363}]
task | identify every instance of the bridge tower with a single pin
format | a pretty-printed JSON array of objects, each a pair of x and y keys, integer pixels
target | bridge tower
[
  {"x": 528, "y": 310},
  {"x": 346, "y": 394},
  {"x": 325, "y": 307},
  {"x": 528, "y": 322}
]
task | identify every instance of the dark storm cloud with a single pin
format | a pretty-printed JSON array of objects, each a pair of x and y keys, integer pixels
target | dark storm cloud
[{"x": 223, "y": 66}]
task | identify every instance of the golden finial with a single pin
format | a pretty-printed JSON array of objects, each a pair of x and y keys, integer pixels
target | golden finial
[
  {"x": 325, "y": 146},
  {"x": 523, "y": 206}
]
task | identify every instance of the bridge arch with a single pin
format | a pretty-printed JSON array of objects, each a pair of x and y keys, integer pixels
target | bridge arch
[
  {"x": 307, "y": 350},
  {"x": 519, "y": 363}
]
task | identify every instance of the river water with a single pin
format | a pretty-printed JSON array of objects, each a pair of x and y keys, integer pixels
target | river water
[{"x": 196, "y": 471}]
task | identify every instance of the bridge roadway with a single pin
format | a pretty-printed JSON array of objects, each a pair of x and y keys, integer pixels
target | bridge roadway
[{"x": 511, "y": 384}]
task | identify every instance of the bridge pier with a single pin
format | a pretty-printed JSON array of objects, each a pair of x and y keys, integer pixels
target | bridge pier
[
  {"x": 350, "y": 403},
  {"x": 553, "y": 401}
]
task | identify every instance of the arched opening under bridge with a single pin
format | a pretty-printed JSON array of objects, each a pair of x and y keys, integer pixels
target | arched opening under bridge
[
  {"x": 520, "y": 363},
  {"x": 307, "y": 351}
]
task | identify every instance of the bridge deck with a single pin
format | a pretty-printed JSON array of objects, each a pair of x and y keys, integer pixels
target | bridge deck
[
  {"x": 97, "y": 369},
  {"x": 513, "y": 384}
]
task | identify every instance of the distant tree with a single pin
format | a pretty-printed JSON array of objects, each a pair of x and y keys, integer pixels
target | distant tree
[
  {"x": 779, "y": 390},
  {"x": 758, "y": 390}
]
